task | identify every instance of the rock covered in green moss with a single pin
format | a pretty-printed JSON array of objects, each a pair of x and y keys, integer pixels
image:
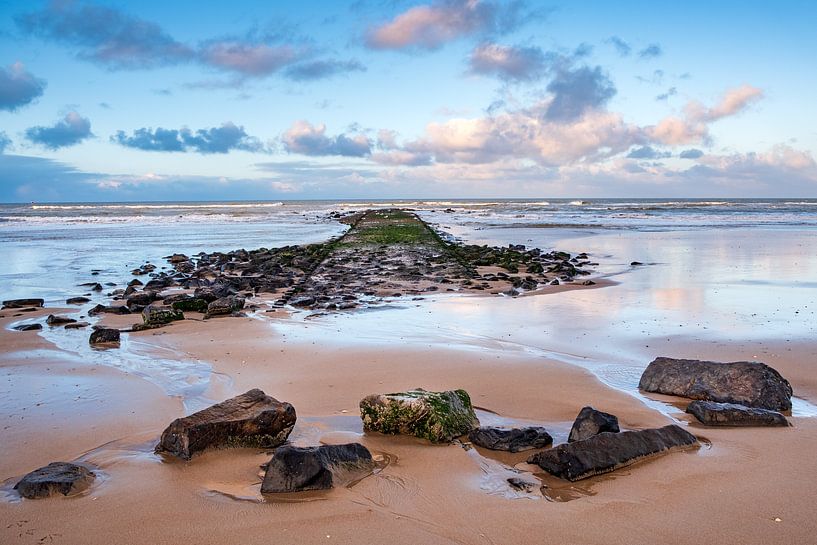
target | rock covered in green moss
[
  {"x": 436, "y": 416},
  {"x": 190, "y": 304},
  {"x": 159, "y": 315}
]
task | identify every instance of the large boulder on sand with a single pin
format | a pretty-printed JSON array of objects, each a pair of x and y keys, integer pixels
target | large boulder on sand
[
  {"x": 711, "y": 413},
  {"x": 55, "y": 478},
  {"x": 591, "y": 422},
  {"x": 436, "y": 416},
  {"x": 510, "y": 439},
  {"x": 225, "y": 305},
  {"x": 749, "y": 383},
  {"x": 295, "y": 469},
  {"x": 608, "y": 451},
  {"x": 252, "y": 419},
  {"x": 154, "y": 315}
]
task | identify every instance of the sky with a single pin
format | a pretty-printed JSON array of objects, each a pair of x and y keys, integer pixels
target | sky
[{"x": 263, "y": 100}]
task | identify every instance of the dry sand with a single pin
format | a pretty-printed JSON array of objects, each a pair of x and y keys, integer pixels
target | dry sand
[{"x": 732, "y": 492}]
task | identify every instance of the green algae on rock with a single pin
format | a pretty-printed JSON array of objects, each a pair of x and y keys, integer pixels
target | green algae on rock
[{"x": 436, "y": 416}]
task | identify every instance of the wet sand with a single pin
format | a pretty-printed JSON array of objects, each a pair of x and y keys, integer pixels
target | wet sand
[{"x": 530, "y": 359}]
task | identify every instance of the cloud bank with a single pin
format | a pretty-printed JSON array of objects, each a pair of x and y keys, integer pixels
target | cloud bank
[
  {"x": 223, "y": 139},
  {"x": 18, "y": 87}
]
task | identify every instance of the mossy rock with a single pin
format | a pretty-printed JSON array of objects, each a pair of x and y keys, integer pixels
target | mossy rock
[
  {"x": 155, "y": 315},
  {"x": 194, "y": 304},
  {"x": 436, "y": 416}
]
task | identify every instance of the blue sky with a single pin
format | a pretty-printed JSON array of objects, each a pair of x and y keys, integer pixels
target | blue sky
[{"x": 112, "y": 101}]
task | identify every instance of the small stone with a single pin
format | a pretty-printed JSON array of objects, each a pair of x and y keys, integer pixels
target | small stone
[
  {"x": 591, "y": 422},
  {"x": 512, "y": 440},
  {"x": 104, "y": 336}
]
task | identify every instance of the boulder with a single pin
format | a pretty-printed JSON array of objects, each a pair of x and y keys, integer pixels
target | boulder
[
  {"x": 54, "y": 320},
  {"x": 225, "y": 305},
  {"x": 591, "y": 422},
  {"x": 252, "y": 419},
  {"x": 141, "y": 299},
  {"x": 23, "y": 303},
  {"x": 55, "y": 478},
  {"x": 609, "y": 451},
  {"x": 711, "y": 413},
  {"x": 104, "y": 335},
  {"x": 178, "y": 258},
  {"x": 76, "y": 300},
  {"x": 159, "y": 315},
  {"x": 28, "y": 327},
  {"x": 295, "y": 469},
  {"x": 749, "y": 383},
  {"x": 190, "y": 304},
  {"x": 436, "y": 416},
  {"x": 512, "y": 440}
]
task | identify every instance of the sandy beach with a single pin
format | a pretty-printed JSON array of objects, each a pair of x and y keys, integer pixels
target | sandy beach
[{"x": 535, "y": 359}]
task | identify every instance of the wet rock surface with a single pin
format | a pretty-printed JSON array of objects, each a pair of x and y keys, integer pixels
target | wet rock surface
[
  {"x": 748, "y": 383},
  {"x": 436, "y": 416},
  {"x": 104, "y": 336},
  {"x": 154, "y": 315},
  {"x": 296, "y": 469},
  {"x": 55, "y": 478},
  {"x": 384, "y": 254},
  {"x": 252, "y": 419},
  {"x": 510, "y": 439},
  {"x": 591, "y": 422},
  {"x": 711, "y": 413},
  {"x": 608, "y": 451},
  {"x": 23, "y": 303},
  {"x": 55, "y": 320},
  {"x": 28, "y": 327}
]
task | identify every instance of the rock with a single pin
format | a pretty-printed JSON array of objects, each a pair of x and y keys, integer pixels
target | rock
[
  {"x": 190, "y": 304},
  {"x": 512, "y": 440},
  {"x": 55, "y": 478},
  {"x": 28, "y": 327},
  {"x": 521, "y": 484},
  {"x": 305, "y": 301},
  {"x": 225, "y": 305},
  {"x": 99, "y": 309},
  {"x": 158, "y": 315},
  {"x": 141, "y": 299},
  {"x": 76, "y": 300},
  {"x": 295, "y": 469},
  {"x": 104, "y": 335},
  {"x": 608, "y": 451},
  {"x": 22, "y": 303},
  {"x": 54, "y": 320},
  {"x": 77, "y": 325},
  {"x": 178, "y": 258},
  {"x": 711, "y": 413},
  {"x": 252, "y": 419},
  {"x": 749, "y": 383},
  {"x": 96, "y": 287},
  {"x": 436, "y": 416},
  {"x": 635, "y": 263},
  {"x": 591, "y": 422}
]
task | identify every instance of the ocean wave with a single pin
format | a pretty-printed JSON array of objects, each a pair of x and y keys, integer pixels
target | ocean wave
[{"x": 177, "y": 206}]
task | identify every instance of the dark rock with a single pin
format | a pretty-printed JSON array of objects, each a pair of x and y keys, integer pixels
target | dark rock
[
  {"x": 100, "y": 309},
  {"x": 295, "y": 469},
  {"x": 96, "y": 287},
  {"x": 55, "y": 478},
  {"x": 225, "y": 305},
  {"x": 28, "y": 327},
  {"x": 588, "y": 283},
  {"x": 158, "y": 315},
  {"x": 521, "y": 484},
  {"x": 178, "y": 258},
  {"x": 76, "y": 300},
  {"x": 252, "y": 419},
  {"x": 636, "y": 263},
  {"x": 142, "y": 299},
  {"x": 712, "y": 413},
  {"x": 749, "y": 383},
  {"x": 436, "y": 416},
  {"x": 512, "y": 440},
  {"x": 104, "y": 335},
  {"x": 191, "y": 304},
  {"x": 54, "y": 320},
  {"x": 591, "y": 422},
  {"x": 135, "y": 282},
  {"x": 607, "y": 451},
  {"x": 22, "y": 303},
  {"x": 77, "y": 325},
  {"x": 305, "y": 301}
]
